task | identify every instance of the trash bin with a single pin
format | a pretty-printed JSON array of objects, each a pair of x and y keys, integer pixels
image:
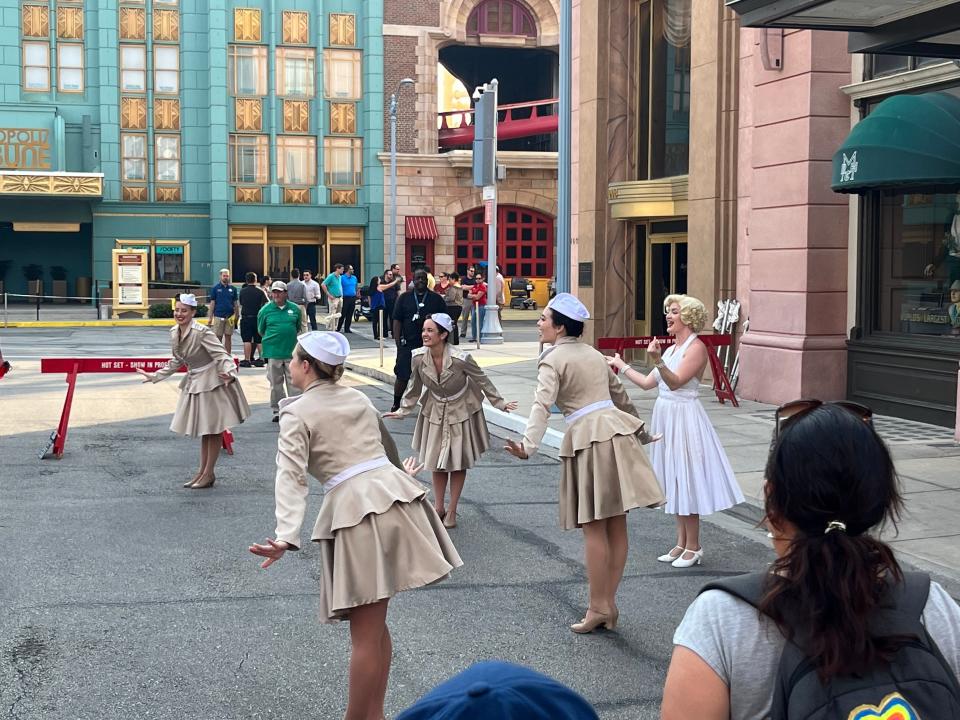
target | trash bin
[{"x": 106, "y": 311}]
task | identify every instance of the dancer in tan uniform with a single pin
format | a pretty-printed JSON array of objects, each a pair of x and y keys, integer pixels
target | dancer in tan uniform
[
  {"x": 377, "y": 533},
  {"x": 451, "y": 432},
  {"x": 605, "y": 473},
  {"x": 211, "y": 399}
]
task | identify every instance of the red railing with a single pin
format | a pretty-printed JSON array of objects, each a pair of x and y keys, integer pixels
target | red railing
[{"x": 518, "y": 120}]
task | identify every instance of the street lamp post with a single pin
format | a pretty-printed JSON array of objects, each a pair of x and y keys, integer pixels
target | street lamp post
[
  {"x": 393, "y": 168},
  {"x": 492, "y": 332}
]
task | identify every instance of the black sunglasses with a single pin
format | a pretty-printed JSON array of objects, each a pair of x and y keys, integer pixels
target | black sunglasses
[{"x": 796, "y": 408}]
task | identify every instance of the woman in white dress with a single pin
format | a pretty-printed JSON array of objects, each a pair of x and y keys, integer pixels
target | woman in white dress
[
  {"x": 689, "y": 462},
  {"x": 211, "y": 399}
]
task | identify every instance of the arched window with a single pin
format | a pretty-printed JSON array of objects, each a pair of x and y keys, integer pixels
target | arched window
[
  {"x": 524, "y": 241},
  {"x": 501, "y": 17}
]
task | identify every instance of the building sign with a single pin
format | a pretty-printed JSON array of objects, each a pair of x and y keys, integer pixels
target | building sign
[
  {"x": 24, "y": 149},
  {"x": 849, "y": 167},
  {"x": 169, "y": 249},
  {"x": 129, "y": 281}
]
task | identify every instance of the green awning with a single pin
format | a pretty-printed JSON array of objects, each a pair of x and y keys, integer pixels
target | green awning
[{"x": 908, "y": 141}]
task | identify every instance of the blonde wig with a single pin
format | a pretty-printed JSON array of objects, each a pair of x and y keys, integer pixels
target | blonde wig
[{"x": 692, "y": 312}]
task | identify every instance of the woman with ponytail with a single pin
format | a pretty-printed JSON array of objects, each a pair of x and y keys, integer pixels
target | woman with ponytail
[{"x": 830, "y": 486}]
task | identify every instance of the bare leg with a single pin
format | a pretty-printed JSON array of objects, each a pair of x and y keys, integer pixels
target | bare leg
[
  {"x": 440, "y": 492},
  {"x": 597, "y": 555},
  {"x": 203, "y": 462},
  {"x": 368, "y": 626},
  {"x": 618, "y": 542},
  {"x": 457, "y": 479},
  {"x": 691, "y": 525},
  {"x": 248, "y": 351},
  {"x": 207, "y": 479},
  {"x": 386, "y": 649}
]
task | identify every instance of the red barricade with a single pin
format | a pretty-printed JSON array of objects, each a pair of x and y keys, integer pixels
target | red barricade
[
  {"x": 76, "y": 366},
  {"x": 721, "y": 383}
]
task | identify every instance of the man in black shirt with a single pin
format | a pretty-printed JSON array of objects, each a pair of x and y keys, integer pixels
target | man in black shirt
[
  {"x": 251, "y": 300},
  {"x": 412, "y": 308}
]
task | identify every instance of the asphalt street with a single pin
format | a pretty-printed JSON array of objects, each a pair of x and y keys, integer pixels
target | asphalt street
[{"x": 126, "y": 595}]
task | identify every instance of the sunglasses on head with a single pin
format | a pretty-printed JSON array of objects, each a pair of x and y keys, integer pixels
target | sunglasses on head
[{"x": 796, "y": 408}]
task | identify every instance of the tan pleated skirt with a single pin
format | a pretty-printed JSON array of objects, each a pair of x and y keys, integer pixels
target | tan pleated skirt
[
  {"x": 457, "y": 446},
  {"x": 373, "y": 546},
  {"x": 210, "y": 412},
  {"x": 606, "y": 479}
]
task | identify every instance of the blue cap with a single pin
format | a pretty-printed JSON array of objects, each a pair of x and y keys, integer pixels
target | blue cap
[{"x": 500, "y": 690}]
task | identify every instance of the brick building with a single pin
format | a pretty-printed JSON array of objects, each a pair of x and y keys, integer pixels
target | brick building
[{"x": 439, "y": 212}]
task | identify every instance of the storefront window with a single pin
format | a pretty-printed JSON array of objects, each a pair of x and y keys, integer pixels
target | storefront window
[
  {"x": 918, "y": 289},
  {"x": 664, "y": 89},
  {"x": 169, "y": 263}
]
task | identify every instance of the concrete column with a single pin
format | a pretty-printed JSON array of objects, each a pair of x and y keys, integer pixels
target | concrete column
[{"x": 794, "y": 225}]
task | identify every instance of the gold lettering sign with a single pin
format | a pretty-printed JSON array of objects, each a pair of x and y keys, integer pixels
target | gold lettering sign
[
  {"x": 296, "y": 196},
  {"x": 343, "y": 118},
  {"x": 343, "y": 29},
  {"x": 166, "y": 114},
  {"x": 133, "y": 24},
  {"x": 24, "y": 149},
  {"x": 343, "y": 197},
  {"x": 296, "y": 27},
  {"x": 296, "y": 116},
  {"x": 246, "y": 24},
  {"x": 70, "y": 23},
  {"x": 166, "y": 25},
  {"x": 35, "y": 20}
]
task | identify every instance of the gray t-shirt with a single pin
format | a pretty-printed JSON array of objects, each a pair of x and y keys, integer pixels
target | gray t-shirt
[{"x": 744, "y": 648}]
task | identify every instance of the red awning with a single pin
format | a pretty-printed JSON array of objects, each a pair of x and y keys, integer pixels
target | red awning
[{"x": 420, "y": 227}]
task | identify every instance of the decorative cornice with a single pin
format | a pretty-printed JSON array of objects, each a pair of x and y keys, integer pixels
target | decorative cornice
[
  {"x": 901, "y": 82},
  {"x": 464, "y": 159},
  {"x": 57, "y": 184},
  {"x": 666, "y": 197}
]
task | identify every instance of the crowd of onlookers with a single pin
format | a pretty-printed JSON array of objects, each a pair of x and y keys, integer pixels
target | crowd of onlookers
[{"x": 271, "y": 313}]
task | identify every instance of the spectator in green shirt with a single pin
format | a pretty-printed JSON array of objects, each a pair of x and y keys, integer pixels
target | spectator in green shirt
[{"x": 278, "y": 324}]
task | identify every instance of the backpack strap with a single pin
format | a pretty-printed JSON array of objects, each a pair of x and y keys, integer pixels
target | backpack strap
[
  {"x": 749, "y": 587},
  {"x": 911, "y": 595}
]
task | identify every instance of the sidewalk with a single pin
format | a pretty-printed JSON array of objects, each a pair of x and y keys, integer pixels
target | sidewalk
[{"x": 926, "y": 456}]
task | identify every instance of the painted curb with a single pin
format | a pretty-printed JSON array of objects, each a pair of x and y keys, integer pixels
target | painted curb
[{"x": 87, "y": 323}]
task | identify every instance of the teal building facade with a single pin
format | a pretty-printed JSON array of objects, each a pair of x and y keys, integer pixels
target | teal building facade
[{"x": 215, "y": 133}]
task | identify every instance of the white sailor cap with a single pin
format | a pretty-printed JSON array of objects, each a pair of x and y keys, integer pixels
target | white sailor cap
[
  {"x": 567, "y": 304},
  {"x": 329, "y": 347},
  {"x": 188, "y": 299},
  {"x": 443, "y": 320}
]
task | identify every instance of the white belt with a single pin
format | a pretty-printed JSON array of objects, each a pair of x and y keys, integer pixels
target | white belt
[
  {"x": 355, "y": 470},
  {"x": 198, "y": 370},
  {"x": 449, "y": 398},
  {"x": 592, "y": 407}
]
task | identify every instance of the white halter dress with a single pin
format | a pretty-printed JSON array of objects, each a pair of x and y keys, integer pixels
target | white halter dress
[{"x": 689, "y": 461}]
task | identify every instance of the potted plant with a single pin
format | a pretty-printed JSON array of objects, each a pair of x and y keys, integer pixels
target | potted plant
[
  {"x": 58, "y": 273},
  {"x": 34, "y": 275},
  {"x": 4, "y": 266}
]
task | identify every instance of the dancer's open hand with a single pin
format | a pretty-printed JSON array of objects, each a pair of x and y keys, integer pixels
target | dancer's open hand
[
  {"x": 144, "y": 374},
  {"x": 412, "y": 466},
  {"x": 390, "y": 415},
  {"x": 510, "y": 406},
  {"x": 272, "y": 551},
  {"x": 516, "y": 449},
  {"x": 616, "y": 362}
]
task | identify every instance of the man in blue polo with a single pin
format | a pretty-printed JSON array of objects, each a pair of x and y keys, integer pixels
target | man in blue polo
[
  {"x": 223, "y": 309},
  {"x": 334, "y": 291}
]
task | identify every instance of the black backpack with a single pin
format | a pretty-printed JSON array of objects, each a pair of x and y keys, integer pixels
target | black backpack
[{"x": 918, "y": 684}]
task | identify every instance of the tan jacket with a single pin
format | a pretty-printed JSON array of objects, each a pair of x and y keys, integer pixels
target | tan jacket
[
  {"x": 324, "y": 431},
  {"x": 573, "y": 375},
  {"x": 454, "y": 395},
  {"x": 204, "y": 356}
]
